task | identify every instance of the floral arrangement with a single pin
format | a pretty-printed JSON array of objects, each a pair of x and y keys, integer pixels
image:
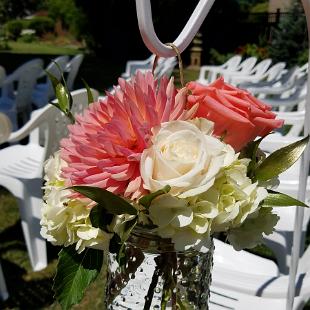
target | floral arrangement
[{"x": 182, "y": 163}]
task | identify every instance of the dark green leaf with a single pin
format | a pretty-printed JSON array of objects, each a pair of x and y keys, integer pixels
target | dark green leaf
[
  {"x": 146, "y": 200},
  {"x": 250, "y": 151},
  {"x": 280, "y": 160},
  {"x": 89, "y": 93},
  {"x": 100, "y": 218},
  {"x": 275, "y": 199},
  {"x": 74, "y": 274},
  {"x": 115, "y": 244},
  {"x": 112, "y": 203},
  {"x": 129, "y": 226}
]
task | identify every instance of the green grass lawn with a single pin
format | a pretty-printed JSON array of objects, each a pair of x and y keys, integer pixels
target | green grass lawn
[
  {"x": 28, "y": 289},
  {"x": 40, "y": 48}
]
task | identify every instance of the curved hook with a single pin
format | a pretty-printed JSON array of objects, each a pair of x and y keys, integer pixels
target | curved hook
[{"x": 145, "y": 21}]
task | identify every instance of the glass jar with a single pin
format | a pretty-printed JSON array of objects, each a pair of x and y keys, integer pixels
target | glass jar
[{"x": 155, "y": 276}]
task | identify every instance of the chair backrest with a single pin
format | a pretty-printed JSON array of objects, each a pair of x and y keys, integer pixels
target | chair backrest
[
  {"x": 275, "y": 71},
  {"x": 26, "y": 77},
  {"x": 55, "y": 70},
  {"x": 58, "y": 125},
  {"x": 232, "y": 63},
  {"x": 73, "y": 68},
  {"x": 261, "y": 67},
  {"x": 165, "y": 67},
  {"x": 56, "y": 66},
  {"x": 247, "y": 65}
]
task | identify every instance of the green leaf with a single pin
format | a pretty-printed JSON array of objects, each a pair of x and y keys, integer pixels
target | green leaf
[
  {"x": 112, "y": 203},
  {"x": 146, "y": 200},
  {"x": 100, "y": 218},
  {"x": 251, "y": 151},
  {"x": 64, "y": 83},
  {"x": 280, "y": 160},
  {"x": 74, "y": 274},
  {"x": 129, "y": 226},
  {"x": 62, "y": 96},
  {"x": 53, "y": 79},
  {"x": 276, "y": 199},
  {"x": 89, "y": 93}
]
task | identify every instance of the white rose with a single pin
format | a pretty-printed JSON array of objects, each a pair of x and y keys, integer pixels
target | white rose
[{"x": 185, "y": 156}]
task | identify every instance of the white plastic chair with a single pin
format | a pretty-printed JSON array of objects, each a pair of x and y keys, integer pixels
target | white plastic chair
[
  {"x": 133, "y": 65},
  {"x": 17, "y": 100},
  {"x": 290, "y": 98},
  {"x": 3, "y": 289},
  {"x": 165, "y": 67},
  {"x": 208, "y": 74},
  {"x": 72, "y": 69},
  {"x": 241, "y": 288},
  {"x": 44, "y": 91},
  {"x": 278, "y": 86},
  {"x": 255, "y": 75},
  {"x": 21, "y": 168}
]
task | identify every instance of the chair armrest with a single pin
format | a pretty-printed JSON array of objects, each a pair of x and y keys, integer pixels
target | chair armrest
[{"x": 37, "y": 118}]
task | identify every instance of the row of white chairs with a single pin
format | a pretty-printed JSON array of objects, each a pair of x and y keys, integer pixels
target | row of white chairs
[
  {"x": 164, "y": 66},
  {"x": 237, "y": 71},
  {"x": 29, "y": 85}
]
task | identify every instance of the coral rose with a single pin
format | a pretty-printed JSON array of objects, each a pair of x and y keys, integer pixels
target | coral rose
[{"x": 238, "y": 116}]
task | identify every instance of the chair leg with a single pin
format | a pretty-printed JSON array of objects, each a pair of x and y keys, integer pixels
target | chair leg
[
  {"x": 3, "y": 290},
  {"x": 30, "y": 213},
  {"x": 36, "y": 245}
]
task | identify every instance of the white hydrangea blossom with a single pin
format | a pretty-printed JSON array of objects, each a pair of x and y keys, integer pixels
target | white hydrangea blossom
[
  {"x": 250, "y": 233},
  {"x": 65, "y": 220},
  {"x": 225, "y": 206}
]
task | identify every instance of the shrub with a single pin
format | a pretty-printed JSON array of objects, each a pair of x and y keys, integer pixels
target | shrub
[
  {"x": 41, "y": 25},
  {"x": 216, "y": 58},
  {"x": 249, "y": 50},
  {"x": 27, "y": 38},
  {"x": 13, "y": 28},
  {"x": 290, "y": 39}
]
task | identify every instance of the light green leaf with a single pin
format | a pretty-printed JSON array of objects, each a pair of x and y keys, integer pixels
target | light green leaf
[
  {"x": 112, "y": 203},
  {"x": 276, "y": 199},
  {"x": 146, "y": 200},
  {"x": 61, "y": 95},
  {"x": 89, "y": 93},
  {"x": 53, "y": 79},
  {"x": 74, "y": 274},
  {"x": 280, "y": 160}
]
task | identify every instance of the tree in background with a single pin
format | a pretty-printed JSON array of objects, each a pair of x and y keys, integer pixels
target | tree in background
[
  {"x": 12, "y": 9},
  {"x": 289, "y": 41},
  {"x": 69, "y": 14}
]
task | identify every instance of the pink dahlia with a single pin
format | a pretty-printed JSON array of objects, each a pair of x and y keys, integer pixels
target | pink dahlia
[{"x": 106, "y": 142}]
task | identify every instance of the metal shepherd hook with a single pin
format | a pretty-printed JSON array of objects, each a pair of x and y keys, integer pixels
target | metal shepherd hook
[{"x": 145, "y": 20}]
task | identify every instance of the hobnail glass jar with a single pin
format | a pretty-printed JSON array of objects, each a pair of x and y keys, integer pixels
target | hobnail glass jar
[{"x": 155, "y": 276}]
